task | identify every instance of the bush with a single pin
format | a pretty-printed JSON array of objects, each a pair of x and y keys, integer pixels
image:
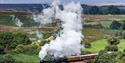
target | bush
[
  {"x": 43, "y": 42},
  {"x": 113, "y": 41},
  {"x": 7, "y": 59},
  {"x": 105, "y": 57},
  {"x": 21, "y": 38},
  {"x": 111, "y": 48},
  {"x": 122, "y": 56},
  {"x": 112, "y": 44},
  {"x": 19, "y": 49},
  {"x": 1, "y": 50},
  {"x": 87, "y": 45},
  {"x": 28, "y": 49}
]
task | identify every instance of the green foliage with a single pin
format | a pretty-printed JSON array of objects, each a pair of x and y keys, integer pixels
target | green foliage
[
  {"x": 28, "y": 49},
  {"x": 111, "y": 48},
  {"x": 9, "y": 40},
  {"x": 43, "y": 42},
  {"x": 116, "y": 25},
  {"x": 122, "y": 56},
  {"x": 19, "y": 48},
  {"x": 105, "y": 57},
  {"x": 1, "y": 50},
  {"x": 113, "y": 10},
  {"x": 112, "y": 44},
  {"x": 87, "y": 45},
  {"x": 103, "y": 10},
  {"x": 7, "y": 59},
  {"x": 22, "y": 38},
  {"x": 94, "y": 10},
  {"x": 46, "y": 35},
  {"x": 113, "y": 41},
  {"x": 6, "y": 40}
]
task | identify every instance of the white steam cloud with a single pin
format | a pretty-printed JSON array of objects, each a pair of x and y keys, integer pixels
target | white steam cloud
[
  {"x": 18, "y": 22},
  {"x": 69, "y": 41},
  {"x": 39, "y": 35}
]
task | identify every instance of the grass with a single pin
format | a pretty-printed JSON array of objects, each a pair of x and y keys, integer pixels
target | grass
[
  {"x": 26, "y": 58},
  {"x": 100, "y": 45}
]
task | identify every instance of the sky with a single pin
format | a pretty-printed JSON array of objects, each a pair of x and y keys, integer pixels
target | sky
[{"x": 89, "y": 2}]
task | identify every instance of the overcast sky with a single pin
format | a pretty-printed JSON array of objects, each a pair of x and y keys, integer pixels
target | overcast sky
[{"x": 90, "y": 2}]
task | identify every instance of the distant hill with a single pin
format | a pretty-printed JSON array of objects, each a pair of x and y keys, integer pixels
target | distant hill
[
  {"x": 23, "y": 7},
  {"x": 87, "y": 9}
]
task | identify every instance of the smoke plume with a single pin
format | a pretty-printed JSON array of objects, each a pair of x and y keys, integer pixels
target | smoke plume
[
  {"x": 69, "y": 41},
  {"x": 18, "y": 22}
]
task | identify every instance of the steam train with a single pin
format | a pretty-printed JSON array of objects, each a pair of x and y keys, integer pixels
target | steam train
[{"x": 72, "y": 59}]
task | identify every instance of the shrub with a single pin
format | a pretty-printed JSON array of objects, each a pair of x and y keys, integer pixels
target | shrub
[
  {"x": 43, "y": 42},
  {"x": 1, "y": 59},
  {"x": 21, "y": 38},
  {"x": 7, "y": 59},
  {"x": 105, "y": 57},
  {"x": 111, "y": 48},
  {"x": 1, "y": 50},
  {"x": 113, "y": 41},
  {"x": 122, "y": 56},
  {"x": 87, "y": 45},
  {"x": 112, "y": 44},
  {"x": 19, "y": 49},
  {"x": 28, "y": 49}
]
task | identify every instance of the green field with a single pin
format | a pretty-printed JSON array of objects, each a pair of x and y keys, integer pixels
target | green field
[
  {"x": 26, "y": 58},
  {"x": 100, "y": 45}
]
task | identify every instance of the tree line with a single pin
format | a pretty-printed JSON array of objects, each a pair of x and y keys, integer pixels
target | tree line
[{"x": 102, "y": 10}]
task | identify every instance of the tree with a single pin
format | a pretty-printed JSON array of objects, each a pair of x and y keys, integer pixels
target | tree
[
  {"x": 21, "y": 38},
  {"x": 9, "y": 40},
  {"x": 6, "y": 38},
  {"x": 112, "y": 44},
  {"x": 94, "y": 10},
  {"x": 113, "y": 10},
  {"x": 113, "y": 41},
  {"x": 115, "y": 25},
  {"x": 111, "y": 48},
  {"x": 105, "y": 57}
]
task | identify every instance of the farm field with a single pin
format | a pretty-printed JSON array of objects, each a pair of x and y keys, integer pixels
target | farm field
[
  {"x": 100, "y": 45},
  {"x": 94, "y": 18}
]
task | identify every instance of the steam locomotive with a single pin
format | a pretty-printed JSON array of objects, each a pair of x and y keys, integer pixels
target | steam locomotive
[{"x": 72, "y": 59}]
